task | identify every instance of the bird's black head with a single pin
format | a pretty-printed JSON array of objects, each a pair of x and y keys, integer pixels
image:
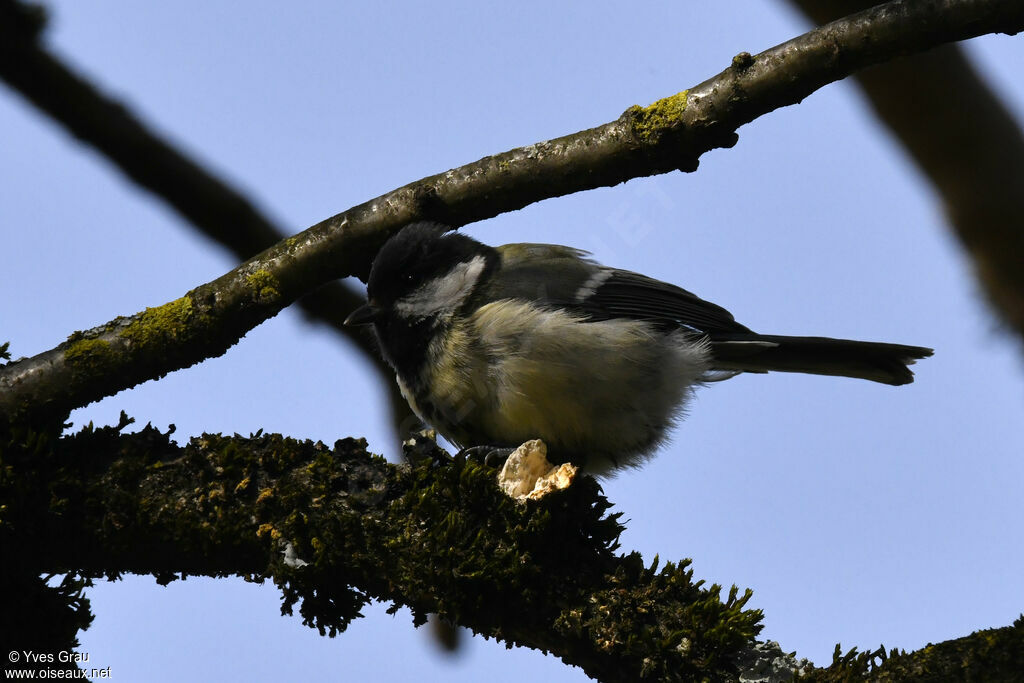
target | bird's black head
[
  {"x": 420, "y": 278},
  {"x": 422, "y": 272}
]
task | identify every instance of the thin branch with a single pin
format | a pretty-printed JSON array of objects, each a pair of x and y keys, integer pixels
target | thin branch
[
  {"x": 670, "y": 134},
  {"x": 993, "y": 655},
  {"x": 964, "y": 139}
]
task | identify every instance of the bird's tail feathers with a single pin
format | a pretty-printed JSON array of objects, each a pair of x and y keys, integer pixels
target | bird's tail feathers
[{"x": 874, "y": 361}]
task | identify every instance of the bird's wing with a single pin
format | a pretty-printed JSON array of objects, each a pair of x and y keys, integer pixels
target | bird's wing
[
  {"x": 624, "y": 294},
  {"x": 547, "y": 274},
  {"x": 566, "y": 277}
]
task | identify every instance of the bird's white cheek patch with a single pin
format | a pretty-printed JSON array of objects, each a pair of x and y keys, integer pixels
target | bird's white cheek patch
[{"x": 442, "y": 295}]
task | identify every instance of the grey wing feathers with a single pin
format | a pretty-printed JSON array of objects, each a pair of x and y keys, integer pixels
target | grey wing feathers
[
  {"x": 542, "y": 273},
  {"x": 566, "y": 277}
]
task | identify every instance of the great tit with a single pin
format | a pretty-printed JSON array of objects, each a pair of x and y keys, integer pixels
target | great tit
[{"x": 494, "y": 346}]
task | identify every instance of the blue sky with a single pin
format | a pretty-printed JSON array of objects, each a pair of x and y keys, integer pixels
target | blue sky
[{"x": 858, "y": 513}]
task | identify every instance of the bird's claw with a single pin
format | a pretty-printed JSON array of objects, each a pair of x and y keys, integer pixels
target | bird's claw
[{"x": 492, "y": 456}]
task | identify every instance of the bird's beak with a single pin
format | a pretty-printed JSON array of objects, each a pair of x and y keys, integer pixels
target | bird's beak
[{"x": 363, "y": 315}]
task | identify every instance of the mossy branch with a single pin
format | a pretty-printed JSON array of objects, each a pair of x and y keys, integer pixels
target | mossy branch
[
  {"x": 670, "y": 134},
  {"x": 991, "y": 655},
  {"x": 338, "y": 527}
]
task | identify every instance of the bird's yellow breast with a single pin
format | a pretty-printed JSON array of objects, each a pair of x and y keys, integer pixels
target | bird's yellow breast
[{"x": 512, "y": 371}]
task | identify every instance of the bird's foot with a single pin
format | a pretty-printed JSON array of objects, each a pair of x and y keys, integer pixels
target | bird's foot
[{"x": 492, "y": 456}]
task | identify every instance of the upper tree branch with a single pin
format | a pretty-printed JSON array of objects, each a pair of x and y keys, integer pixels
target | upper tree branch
[
  {"x": 670, "y": 134},
  {"x": 965, "y": 140}
]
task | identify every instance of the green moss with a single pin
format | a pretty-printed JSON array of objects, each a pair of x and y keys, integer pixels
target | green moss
[
  {"x": 94, "y": 355},
  {"x": 651, "y": 121},
  {"x": 267, "y": 529},
  {"x": 264, "y": 285},
  {"x": 162, "y": 323},
  {"x": 742, "y": 61},
  {"x": 216, "y": 492}
]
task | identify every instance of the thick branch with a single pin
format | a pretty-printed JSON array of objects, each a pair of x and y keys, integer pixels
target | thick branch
[
  {"x": 964, "y": 139},
  {"x": 671, "y": 133},
  {"x": 337, "y": 528}
]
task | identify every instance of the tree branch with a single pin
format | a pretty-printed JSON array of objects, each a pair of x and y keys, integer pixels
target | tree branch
[
  {"x": 338, "y": 528},
  {"x": 949, "y": 120},
  {"x": 992, "y": 655},
  {"x": 669, "y": 134}
]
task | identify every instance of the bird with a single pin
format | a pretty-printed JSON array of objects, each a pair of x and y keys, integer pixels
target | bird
[{"x": 496, "y": 346}]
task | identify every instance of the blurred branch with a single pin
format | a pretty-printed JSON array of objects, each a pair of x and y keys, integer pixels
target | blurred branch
[
  {"x": 964, "y": 139},
  {"x": 209, "y": 203},
  {"x": 670, "y": 134}
]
